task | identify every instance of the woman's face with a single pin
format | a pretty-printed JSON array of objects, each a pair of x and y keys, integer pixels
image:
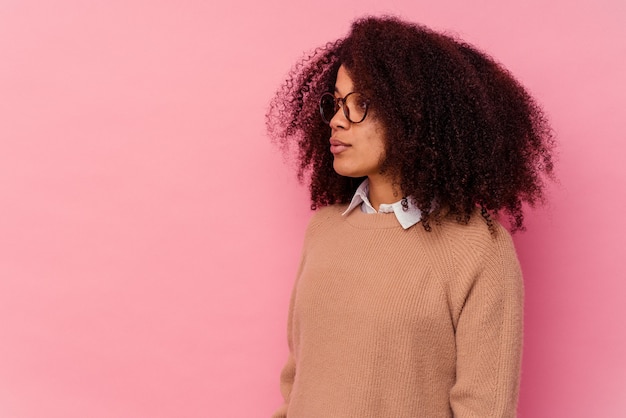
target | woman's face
[{"x": 358, "y": 148}]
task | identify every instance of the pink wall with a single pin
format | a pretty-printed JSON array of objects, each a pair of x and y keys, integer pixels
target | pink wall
[{"x": 149, "y": 233}]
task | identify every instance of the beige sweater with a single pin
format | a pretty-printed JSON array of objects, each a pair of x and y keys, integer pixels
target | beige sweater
[{"x": 393, "y": 323}]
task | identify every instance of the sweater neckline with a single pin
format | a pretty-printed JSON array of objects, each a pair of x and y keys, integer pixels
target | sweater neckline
[{"x": 359, "y": 219}]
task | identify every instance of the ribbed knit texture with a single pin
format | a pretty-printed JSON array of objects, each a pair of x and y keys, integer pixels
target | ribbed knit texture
[{"x": 386, "y": 322}]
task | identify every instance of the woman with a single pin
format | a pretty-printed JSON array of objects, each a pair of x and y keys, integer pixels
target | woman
[{"x": 408, "y": 299}]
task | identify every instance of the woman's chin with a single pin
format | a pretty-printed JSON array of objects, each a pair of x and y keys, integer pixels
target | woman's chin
[{"x": 342, "y": 170}]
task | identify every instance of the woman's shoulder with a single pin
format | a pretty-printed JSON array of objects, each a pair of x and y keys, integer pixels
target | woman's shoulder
[
  {"x": 462, "y": 253},
  {"x": 325, "y": 217},
  {"x": 474, "y": 240},
  {"x": 475, "y": 230}
]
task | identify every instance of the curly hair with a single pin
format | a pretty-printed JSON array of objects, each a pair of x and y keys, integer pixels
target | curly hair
[{"x": 459, "y": 129}]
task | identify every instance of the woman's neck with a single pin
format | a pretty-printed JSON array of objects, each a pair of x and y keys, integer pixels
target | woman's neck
[{"x": 382, "y": 190}]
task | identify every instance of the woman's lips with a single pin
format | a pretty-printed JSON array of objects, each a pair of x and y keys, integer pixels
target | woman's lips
[{"x": 337, "y": 146}]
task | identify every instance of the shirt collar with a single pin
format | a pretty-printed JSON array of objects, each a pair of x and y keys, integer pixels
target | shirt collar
[{"x": 406, "y": 218}]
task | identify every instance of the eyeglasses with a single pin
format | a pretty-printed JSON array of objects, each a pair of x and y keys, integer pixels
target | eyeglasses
[{"x": 354, "y": 106}]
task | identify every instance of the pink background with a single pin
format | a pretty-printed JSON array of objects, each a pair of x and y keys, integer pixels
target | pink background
[{"x": 149, "y": 232}]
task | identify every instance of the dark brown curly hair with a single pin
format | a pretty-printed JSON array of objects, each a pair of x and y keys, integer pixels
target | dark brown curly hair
[{"x": 459, "y": 129}]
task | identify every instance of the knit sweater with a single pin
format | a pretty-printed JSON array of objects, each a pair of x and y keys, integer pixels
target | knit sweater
[{"x": 393, "y": 323}]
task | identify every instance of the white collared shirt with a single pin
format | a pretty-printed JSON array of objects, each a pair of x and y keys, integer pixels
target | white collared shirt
[{"x": 406, "y": 218}]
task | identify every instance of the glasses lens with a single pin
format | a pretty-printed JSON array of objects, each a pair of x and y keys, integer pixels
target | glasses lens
[
  {"x": 327, "y": 107},
  {"x": 355, "y": 107}
]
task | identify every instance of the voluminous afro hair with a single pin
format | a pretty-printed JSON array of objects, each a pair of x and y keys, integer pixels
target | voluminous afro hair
[{"x": 459, "y": 129}]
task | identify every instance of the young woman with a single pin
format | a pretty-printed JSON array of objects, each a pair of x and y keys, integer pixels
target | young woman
[{"x": 408, "y": 299}]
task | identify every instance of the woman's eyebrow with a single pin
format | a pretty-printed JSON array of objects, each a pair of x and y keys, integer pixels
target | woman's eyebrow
[{"x": 339, "y": 93}]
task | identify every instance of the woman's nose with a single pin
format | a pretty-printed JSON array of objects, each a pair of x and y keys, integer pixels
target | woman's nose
[{"x": 339, "y": 120}]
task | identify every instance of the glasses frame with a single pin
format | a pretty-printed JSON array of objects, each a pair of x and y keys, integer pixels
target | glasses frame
[{"x": 340, "y": 102}]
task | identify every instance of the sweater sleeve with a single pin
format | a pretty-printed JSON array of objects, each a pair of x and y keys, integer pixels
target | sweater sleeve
[
  {"x": 286, "y": 382},
  {"x": 288, "y": 373},
  {"x": 489, "y": 336}
]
